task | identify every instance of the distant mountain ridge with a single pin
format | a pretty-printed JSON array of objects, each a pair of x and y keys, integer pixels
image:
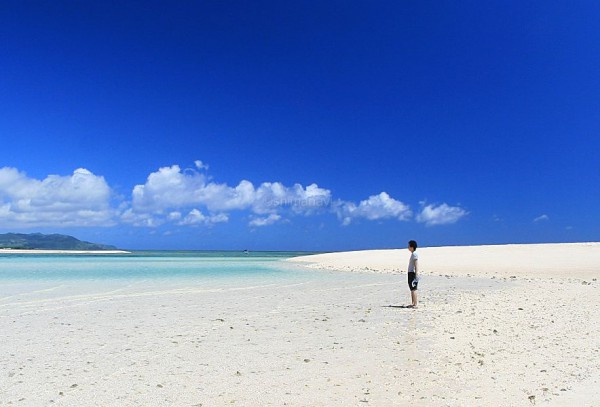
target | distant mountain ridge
[{"x": 48, "y": 242}]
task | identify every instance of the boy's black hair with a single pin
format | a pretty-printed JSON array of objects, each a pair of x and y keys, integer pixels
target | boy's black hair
[{"x": 412, "y": 244}]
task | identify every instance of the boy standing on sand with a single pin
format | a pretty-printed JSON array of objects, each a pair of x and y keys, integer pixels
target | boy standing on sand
[{"x": 413, "y": 268}]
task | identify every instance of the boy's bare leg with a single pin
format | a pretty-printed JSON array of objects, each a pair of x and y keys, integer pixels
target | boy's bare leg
[{"x": 413, "y": 296}]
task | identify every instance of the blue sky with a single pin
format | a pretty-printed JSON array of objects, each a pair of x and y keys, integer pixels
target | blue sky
[{"x": 300, "y": 125}]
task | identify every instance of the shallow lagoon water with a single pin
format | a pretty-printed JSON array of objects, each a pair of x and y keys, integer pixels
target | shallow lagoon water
[
  {"x": 57, "y": 277},
  {"x": 140, "y": 265}
]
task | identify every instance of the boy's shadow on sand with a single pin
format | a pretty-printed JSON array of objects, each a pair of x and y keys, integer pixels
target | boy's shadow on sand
[{"x": 397, "y": 306}]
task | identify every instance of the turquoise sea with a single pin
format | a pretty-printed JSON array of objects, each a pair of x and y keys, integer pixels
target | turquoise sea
[
  {"x": 34, "y": 277},
  {"x": 40, "y": 279},
  {"x": 143, "y": 265}
]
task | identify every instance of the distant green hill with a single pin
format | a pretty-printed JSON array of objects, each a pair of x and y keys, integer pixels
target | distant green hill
[{"x": 48, "y": 242}]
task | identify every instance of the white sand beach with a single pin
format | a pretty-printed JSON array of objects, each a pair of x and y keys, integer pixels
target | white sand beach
[
  {"x": 528, "y": 334},
  {"x": 571, "y": 260},
  {"x": 496, "y": 326}
]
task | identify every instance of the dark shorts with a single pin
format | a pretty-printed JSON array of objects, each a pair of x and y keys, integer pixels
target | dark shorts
[{"x": 411, "y": 278}]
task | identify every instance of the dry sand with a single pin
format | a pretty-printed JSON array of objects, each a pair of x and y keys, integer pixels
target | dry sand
[
  {"x": 576, "y": 260},
  {"x": 321, "y": 338},
  {"x": 532, "y": 337}
]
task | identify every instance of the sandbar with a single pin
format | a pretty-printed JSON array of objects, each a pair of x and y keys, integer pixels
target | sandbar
[
  {"x": 496, "y": 326},
  {"x": 554, "y": 260}
]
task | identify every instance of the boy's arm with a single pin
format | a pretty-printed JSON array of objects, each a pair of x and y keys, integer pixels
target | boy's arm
[{"x": 416, "y": 267}]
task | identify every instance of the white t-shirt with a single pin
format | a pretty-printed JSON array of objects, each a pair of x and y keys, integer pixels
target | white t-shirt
[{"x": 411, "y": 263}]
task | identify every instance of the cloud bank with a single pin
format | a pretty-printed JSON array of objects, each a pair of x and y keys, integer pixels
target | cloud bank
[
  {"x": 188, "y": 198},
  {"x": 170, "y": 189},
  {"x": 80, "y": 199}
]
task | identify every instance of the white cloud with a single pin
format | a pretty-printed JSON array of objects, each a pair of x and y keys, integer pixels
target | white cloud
[
  {"x": 171, "y": 190},
  {"x": 269, "y": 220},
  {"x": 310, "y": 199},
  {"x": 174, "y": 215},
  {"x": 376, "y": 207},
  {"x": 221, "y": 197},
  {"x": 270, "y": 196},
  {"x": 440, "y": 215},
  {"x": 168, "y": 187},
  {"x": 142, "y": 219},
  {"x": 195, "y": 217},
  {"x": 80, "y": 199},
  {"x": 175, "y": 196},
  {"x": 200, "y": 165},
  {"x": 541, "y": 218}
]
